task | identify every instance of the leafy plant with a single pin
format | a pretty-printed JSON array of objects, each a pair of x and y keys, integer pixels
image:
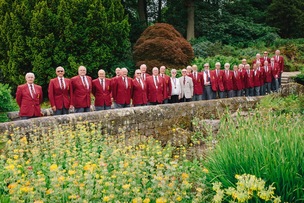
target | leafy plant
[{"x": 7, "y": 102}]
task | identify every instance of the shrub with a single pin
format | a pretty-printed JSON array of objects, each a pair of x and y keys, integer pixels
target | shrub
[
  {"x": 160, "y": 44},
  {"x": 7, "y": 102},
  {"x": 267, "y": 145},
  {"x": 300, "y": 77},
  {"x": 218, "y": 58}
]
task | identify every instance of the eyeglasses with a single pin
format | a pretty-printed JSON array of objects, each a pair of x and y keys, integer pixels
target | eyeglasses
[
  {"x": 59, "y": 71},
  {"x": 138, "y": 73},
  {"x": 265, "y": 53}
]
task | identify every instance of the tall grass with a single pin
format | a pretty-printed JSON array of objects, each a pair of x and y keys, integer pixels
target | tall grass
[{"x": 267, "y": 145}]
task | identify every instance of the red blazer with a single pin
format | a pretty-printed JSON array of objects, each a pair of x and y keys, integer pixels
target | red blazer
[
  {"x": 139, "y": 94},
  {"x": 60, "y": 97},
  {"x": 256, "y": 78},
  {"x": 243, "y": 71},
  {"x": 228, "y": 80},
  {"x": 217, "y": 81},
  {"x": 262, "y": 76},
  {"x": 280, "y": 63},
  {"x": 120, "y": 93},
  {"x": 268, "y": 74},
  {"x": 144, "y": 76},
  {"x": 198, "y": 83},
  {"x": 237, "y": 80},
  {"x": 262, "y": 59},
  {"x": 167, "y": 86},
  {"x": 102, "y": 97},
  {"x": 81, "y": 95},
  {"x": 248, "y": 79},
  {"x": 275, "y": 70},
  {"x": 155, "y": 94},
  {"x": 29, "y": 106}
]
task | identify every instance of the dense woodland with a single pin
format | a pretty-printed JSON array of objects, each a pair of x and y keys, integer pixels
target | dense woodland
[{"x": 40, "y": 35}]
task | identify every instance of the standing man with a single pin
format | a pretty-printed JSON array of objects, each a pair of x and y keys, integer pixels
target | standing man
[
  {"x": 175, "y": 88},
  {"x": 101, "y": 89},
  {"x": 248, "y": 81},
  {"x": 257, "y": 59},
  {"x": 275, "y": 75},
  {"x": 207, "y": 93},
  {"x": 217, "y": 81},
  {"x": 237, "y": 80},
  {"x": 60, "y": 93},
  {"x": 143, "y": 70},
  {"x": 256, "y": 80},
  {"x": 265, "y": 58},
  {"x": 268, "y": 77},
  {"x": 139, "y": 92},
  {"x": 81, "y": 91},
  {"x": 228, "y": 81},
  {"x": 122, "y": 90},
  {"x": 279, "y": 60},
  {"x": 262, "y": 78},
  {"x": 167, "y": 92},
  {"x": 155, "y": 88},
  {"x": 29, "y": 98},
  {"x": 198, "y": 84},
  {"x": 189, "y": 70},
  {"x": 186, "y": 87}
]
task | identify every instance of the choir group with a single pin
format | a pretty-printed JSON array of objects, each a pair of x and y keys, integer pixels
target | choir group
[{"x": 66, "y": 95}]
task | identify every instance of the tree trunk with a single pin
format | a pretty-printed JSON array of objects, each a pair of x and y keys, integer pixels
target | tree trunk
[
  {"x": 190, "y": 24},
  {"x": 159, "y": 17},
  {"x": 142, "y": 11}
]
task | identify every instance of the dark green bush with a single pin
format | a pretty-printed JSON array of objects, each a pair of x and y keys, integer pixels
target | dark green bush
[{"x": 7, "y": 102}]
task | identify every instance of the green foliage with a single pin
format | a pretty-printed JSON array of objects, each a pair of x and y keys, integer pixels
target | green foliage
[
  {"x": 267, "y": 144},
  {"x": 300, "y": 77},
  {"x": 38, "y": 36},
  {"x": 7, "y": 102}
]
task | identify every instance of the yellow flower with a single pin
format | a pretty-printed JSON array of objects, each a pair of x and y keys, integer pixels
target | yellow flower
[
  {"x": 126, "y": 186},
  {"x": 179, "y": 198},
  {"x": 12, "y": 185},
  {"x": 106, "y": 198},
  {"x": 161, "y": 200},
  {"x": 49, "y": 191},
  {"x": 205, "y": 170},
  {"x": 147, "y": 200},
  {"x": 38, "y": 201},
  {"x": 16, "y": 156},
  {"x": 71, "y": 172},
  {"x": 26, "y": 189},
  {"x": 10, "y": 167},
  {"x": 61, "y": 179},
  {"x": 185, "y": 176},
  {"x": 53, "y": 167}
]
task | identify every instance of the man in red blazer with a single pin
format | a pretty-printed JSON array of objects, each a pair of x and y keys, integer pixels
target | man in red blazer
[
  {"x": 237, "y": 80},
  {"x": 81, "y": 91},
  {"x": 101, "y": 89},
  {"x": 265, "y": 58},
  {"x": 248, "y": 81},
  {"x": 155, "y": 88},
  {"x": 275, "y": 71},
  {"x": 198, "y": 84},
  {"x": 280, "y": 63},
  {"x": 256, "y": 80},
  {"x": 122, "y": 89},
  {"x": 262, "y": 78},
  {"x": 29, "y": 98},
  {"x": 167, "y": 87},
  {"x": 139, "y": 91},
  {"x": 60, "y": 93},
  {"x": 217, "y": 81},
  {"x": 257, "y": 59},
  {"x": 143, "y": 70},
  {"x": 268, "y": 77},
  {"x": 228, "y": 81}
]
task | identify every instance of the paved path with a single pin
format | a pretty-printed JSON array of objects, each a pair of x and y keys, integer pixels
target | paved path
[{"x": 290, "y": 74}]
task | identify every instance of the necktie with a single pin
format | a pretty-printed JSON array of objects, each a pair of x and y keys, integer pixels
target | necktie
[
  {"x": 156, "y": 82},
  {"x": 84, "y": 82},
  {"x": 266, "y": 69},
  {"x": 184, "y": 80},
  {"x": 102, "y": 84},
  {"x": 32, "y": 91},
  {"x": 216, "y": 73},
  {"x": 207, "y": 76},
  {"x": 248, "y": 73},
  {"x": 139, "y": 81},
  {"x": 125, "y": 81},
  {"x": 61, "y": 82},
  {"x": 235, "y": 73},
  {"x": 227, "y": 75},
  {"x": 195, "y": 75},
  {"x": 277, "y": 58}
]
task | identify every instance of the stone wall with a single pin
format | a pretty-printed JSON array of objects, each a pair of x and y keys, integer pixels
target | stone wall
[{"x": 148, "y": 120}]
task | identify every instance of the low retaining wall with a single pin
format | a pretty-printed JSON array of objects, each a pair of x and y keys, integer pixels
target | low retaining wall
[{"x": 148, "y": 120}]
